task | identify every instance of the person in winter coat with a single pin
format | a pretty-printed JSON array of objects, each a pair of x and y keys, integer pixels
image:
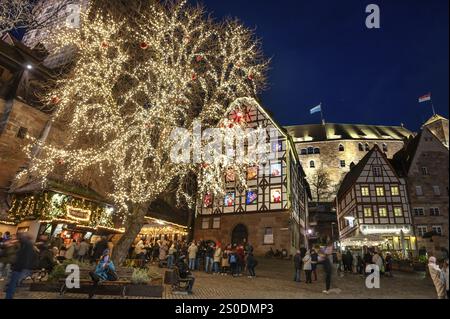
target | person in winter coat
[
  {"x": 209, "y": 258},
  {"x": 163, "y": 249},
  {"x": 99, "y": 247},
  {"x": 378, "y": 260},
  {"x": 314, "y": 261},
  {"x": 297, "y": 266},
  {"x": 192, "y": 251},
  {"x": 233, "y": 260},
  {"x": 325, "y": 259},
  {"x": 26, "y": 259},
  {"x": 105, "y": 270},
  {"x": 446, "y": 277},
  {"x": 225, "y": 263},
  {"x": 307, "y": 267},
  {"x": 251, "y": 264},
  {"x": 83, "y": 250},
  {"x": 388, "y": 268},
  {"x": 172, "y": 255},
  {"x": 9, "y": 248},
  {"x": 435, "y": 274},
  {"x": 70, "y": 250},
  {"x": 217, "y": 258},
  {"x": 241, "y": 259}
]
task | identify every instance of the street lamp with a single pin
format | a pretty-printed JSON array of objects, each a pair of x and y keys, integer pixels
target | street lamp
[{"x": 29, "y": 66}]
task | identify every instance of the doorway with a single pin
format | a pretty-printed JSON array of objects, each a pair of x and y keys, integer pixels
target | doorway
[{"x": 239, "y": 235}]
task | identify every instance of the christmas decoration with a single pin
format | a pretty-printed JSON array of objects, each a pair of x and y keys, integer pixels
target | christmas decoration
[
  {"x": 109, "y": 132},
  {"x": 144, "y": 45}
]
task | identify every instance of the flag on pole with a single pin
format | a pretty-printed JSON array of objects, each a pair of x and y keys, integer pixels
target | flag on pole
[
  {"x": 425, "y": 98},
  {"x": 316, "y": 109}
]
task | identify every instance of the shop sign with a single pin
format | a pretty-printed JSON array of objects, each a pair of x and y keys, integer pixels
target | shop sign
[{"x": 78, "y": 214}]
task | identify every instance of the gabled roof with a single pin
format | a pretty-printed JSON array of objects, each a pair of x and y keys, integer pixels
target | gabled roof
[
  {"x": 355, "y": 172},
  {"x": 332, "y": 131},
  {"x": 434, "y": 118}
]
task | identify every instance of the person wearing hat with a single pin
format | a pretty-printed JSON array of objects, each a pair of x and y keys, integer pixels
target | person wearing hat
[{"x": 436, "y": 276}]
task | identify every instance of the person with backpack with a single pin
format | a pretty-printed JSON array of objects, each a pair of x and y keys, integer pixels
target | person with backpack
[
  {"x": 251, "y": 264},
  {"x": 26, "y": 259},
  {"x": 233, "y": 260}
]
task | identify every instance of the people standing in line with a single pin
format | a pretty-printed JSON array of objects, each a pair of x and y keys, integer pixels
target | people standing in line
[
  {"x": 83, "y": 250},
  {"x": 192, "y": 251},
  {"x": 217, "y": 258},
  {"x": 251, "y": 264},
  {"x": 436, "y": 276},
  {"x": 307, "y": 267},
  {"x": 25, "y": 261},
  {"x": 297, "y": 266},
  {"x": 314, "y": 261}
]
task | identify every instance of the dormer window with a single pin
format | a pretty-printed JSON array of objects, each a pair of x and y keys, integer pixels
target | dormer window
[{"x": 341, "y": 148}]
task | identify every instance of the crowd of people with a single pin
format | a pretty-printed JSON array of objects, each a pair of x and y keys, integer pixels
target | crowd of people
[
  {"x": 208, "y": 256},
  {"x": 20, "y": 258}
]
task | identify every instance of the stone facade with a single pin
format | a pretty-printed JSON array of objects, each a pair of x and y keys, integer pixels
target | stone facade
[
  {"x": 285, "y": 233},
  {"x": 427, "y": 177}
]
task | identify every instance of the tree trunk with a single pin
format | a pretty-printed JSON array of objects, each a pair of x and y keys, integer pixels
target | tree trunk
[
  {"x": 132, "y": 229},
  {"x": 191, "y": 224}
]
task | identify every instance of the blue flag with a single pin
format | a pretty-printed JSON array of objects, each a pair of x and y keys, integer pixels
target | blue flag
[{"x": 316, "y": 109}]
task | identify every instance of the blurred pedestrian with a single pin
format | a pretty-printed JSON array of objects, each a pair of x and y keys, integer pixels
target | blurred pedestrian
[{"x": 436, "y": 276}]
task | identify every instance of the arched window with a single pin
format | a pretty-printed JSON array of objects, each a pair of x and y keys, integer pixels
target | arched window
[
  {"x": 361, "y": 147},
  {"x": 303, "y": 151},
  {"x": 310, "y": 150},
  {"x": 312, "y": 164},
  {"x": 317, "y": 150},
  {"x": 367, "y": 147},
  {"x": 385, "y": 148},
  {"x": 341, "y": 148}
]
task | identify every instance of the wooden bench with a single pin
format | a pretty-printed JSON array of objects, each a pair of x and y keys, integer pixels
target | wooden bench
[
  {"x": 113, "y": 288},
  {"x": 179, "y": 285}
]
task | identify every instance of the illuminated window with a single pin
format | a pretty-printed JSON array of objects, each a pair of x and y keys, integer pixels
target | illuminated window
[
  {"x": 382, "y": 212},
  {"x": 395, "y": 191},
  {"x": 365, "y": 191},
  {"x": 398, "y": 212},
  {"x": 367, "y": 212},
  {"x": 380, "y": 191}
]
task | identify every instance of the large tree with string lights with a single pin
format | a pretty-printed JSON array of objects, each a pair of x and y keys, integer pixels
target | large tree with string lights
[{"x": 137, "y": 75}]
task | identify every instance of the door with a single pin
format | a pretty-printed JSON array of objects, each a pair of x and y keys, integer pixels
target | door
[{"x": 239, "y": 235}]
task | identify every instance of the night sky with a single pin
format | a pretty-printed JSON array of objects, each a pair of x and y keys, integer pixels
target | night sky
[{"x": 323, "y": 52}]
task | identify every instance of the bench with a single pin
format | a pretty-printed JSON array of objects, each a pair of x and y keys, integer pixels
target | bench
[
  {"x": 179, "y": 285},
  {"x": 113, "y": 288}
]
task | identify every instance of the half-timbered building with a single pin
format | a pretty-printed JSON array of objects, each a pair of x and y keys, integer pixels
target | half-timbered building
[
  {"x": 373, "y": 208},
  {"x": 271, "y": 212}
]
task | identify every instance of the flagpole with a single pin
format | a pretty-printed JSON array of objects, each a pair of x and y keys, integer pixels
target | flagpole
[
  {"x": 321, "y": 114},
  {"x": 432, "y": 107}
]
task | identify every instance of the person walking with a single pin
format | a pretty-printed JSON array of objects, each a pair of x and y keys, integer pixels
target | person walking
[
  {"x": 251, "y": 264},
  {"x": 436, "y": 276},
  {"x": 8, "y": 248},
  {"x": 314, "y": 260},
  {"x": 326, "y": 260},
  {"x": 307, "y": 267},
  {"x": 297, "y": 266},
  {"x": 192, "y": 251},
  {"x": 26, "y": 259}
]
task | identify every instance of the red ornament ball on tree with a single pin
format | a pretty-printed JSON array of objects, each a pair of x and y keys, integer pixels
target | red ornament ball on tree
[
  {"x": 144, "y": 45},
  {"x": 251, "y": 77},
  {"x": 199, "y": 58},
  {"x": 105, "y": 44},
  {"x": 60, "y": 161},
  {"x": 55, "y": 99},
  {"x": 194, "y": 76}
]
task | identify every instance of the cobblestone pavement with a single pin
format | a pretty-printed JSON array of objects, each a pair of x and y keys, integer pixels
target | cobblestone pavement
[{"x": 275, "y": 280}]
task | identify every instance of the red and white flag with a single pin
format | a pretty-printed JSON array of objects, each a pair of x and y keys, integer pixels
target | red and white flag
[{"x": 425, "y": 98}]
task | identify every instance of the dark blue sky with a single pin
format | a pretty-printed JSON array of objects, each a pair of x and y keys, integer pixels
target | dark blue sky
[{"x": 322, "y": 52}]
